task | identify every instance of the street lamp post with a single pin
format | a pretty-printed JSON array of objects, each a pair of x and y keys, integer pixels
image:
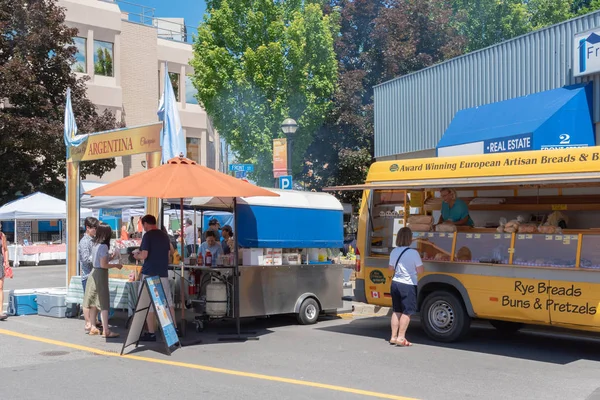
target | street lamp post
[{"x": 289, "y": 127}]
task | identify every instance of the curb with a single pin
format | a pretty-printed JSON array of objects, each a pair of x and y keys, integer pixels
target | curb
[{"x": 369, "y": 309}]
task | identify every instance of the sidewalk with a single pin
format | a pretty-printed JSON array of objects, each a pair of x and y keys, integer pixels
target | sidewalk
[{"x": 361, "y": 309}]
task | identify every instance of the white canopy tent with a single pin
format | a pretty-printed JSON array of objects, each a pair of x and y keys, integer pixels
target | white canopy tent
[{"x": 37, "y": 206}]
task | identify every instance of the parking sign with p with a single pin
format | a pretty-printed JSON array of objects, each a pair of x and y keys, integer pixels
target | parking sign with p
[{"x": 285, "y": 182}]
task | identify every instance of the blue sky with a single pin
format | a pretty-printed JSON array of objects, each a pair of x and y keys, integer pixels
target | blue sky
[{"x": 191, "y": 10}]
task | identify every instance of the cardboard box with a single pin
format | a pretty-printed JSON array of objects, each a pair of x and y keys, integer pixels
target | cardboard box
[{"x": 251, "y": 256}]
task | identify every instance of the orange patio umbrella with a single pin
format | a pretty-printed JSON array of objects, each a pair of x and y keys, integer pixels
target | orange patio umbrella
[
  {"x": 180, "y": 178},
  {"x": 183, "y": 178}
]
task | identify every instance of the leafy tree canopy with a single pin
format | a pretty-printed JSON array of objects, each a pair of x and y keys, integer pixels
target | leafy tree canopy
[
  {"x": 258, "y": 62},
  {"x": 36, "y": 54}
]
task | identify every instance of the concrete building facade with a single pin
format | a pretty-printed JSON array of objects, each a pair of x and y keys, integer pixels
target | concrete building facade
[{"x": 124, "y": 58}]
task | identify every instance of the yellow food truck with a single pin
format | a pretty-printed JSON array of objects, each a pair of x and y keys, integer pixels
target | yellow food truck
[{"x": 532, "y": 255}]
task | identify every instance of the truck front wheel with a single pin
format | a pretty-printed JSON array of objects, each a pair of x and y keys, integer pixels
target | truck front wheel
[{"x": 444, "y": 317}]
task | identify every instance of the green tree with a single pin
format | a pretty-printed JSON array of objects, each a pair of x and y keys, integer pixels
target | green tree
[
  {"x": 487, "y": 22},
  {"x": 379, "y": 40},
  {"x": 549, "y": 12},
  {"x": 582, "y": 7},
  {"x": 258, "y": 62},
  {"x": 36, "y": 54}
]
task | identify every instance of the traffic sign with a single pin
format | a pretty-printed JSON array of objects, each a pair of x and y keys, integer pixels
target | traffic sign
[
  {"x": 241, "y": 167},
  {"x": 285, "y": 182}
]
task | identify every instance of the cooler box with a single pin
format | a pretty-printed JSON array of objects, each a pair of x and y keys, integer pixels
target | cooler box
[
  {"x": 22, "y": 302},
  {"x": 52, "y": 304}
]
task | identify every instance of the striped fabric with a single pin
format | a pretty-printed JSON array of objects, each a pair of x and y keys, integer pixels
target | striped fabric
[{"x": 123, "y": 294}]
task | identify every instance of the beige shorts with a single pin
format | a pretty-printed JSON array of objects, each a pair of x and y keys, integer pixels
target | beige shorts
[{"x": 166, "y": 283}]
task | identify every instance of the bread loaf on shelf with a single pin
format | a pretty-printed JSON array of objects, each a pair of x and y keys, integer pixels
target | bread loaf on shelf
[
  {"x": 420, "y": 219},
  {"x": 527, "y": 228},
  {"x": 420, "y": 227}
]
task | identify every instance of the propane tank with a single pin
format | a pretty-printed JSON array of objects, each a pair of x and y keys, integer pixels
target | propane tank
[
  {"x": 208, "y": 259},
  {"x": 216, "y": 299}
]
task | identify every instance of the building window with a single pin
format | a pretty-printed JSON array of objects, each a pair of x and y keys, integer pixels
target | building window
[
  {"x": 190, "y": 91},
  {"x": 174, "y": 76},
  {"x": 80, "y": 56},
  {"x": 103, "y": 58},
  {"x": 193, "y": 149}
]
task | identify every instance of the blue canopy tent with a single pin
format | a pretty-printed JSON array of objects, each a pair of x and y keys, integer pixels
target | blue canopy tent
[{"x": 558, "y": 118}]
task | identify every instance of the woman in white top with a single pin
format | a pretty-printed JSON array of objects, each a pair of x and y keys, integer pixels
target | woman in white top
[
  {"x": 406, "y": 264},
  {"x": 97, "y": 294}
]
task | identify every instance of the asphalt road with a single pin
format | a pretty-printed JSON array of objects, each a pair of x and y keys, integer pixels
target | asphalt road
[{"x": 338, "y": 358}]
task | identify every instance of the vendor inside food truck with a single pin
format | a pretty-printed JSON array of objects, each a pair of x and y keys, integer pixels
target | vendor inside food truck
[{"x": 454, "y": 210}]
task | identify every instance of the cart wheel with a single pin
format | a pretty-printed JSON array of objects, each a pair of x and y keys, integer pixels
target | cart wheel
[
  {"x": 309, "y": 312},
  {"x": 199, "y": 326}
]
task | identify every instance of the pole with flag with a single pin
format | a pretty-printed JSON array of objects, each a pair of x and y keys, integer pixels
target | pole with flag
[
  {"x": 172, "y": 138},
  {"x": 72, "y": 186},
  {"x": 172, "y": 141},
  {"x": 70, "y": 129}
]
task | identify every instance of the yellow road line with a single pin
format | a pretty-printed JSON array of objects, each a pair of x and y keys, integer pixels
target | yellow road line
[{"x": 206, "y": 368}]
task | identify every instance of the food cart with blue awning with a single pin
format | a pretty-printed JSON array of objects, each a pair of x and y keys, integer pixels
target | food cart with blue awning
[{"x": 287, "y": 255}]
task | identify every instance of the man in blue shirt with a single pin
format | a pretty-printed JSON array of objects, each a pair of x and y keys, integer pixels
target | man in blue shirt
[
  {"x": 155, "y": 251},
  {"x": 454, "y": 210}
]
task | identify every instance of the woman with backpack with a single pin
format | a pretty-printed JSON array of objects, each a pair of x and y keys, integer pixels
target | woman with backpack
[{"x": 406, "y": 264}]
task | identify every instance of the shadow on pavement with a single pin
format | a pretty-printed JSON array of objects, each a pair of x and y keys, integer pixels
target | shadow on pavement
[
  {"x": 538, "y": 345},
  {"x": 215, "y": 332}
]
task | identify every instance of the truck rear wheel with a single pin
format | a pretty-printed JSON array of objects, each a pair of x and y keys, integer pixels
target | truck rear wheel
[
  {"x": 506, "y": 326},
  {"x": 444, "y": 317},
  {"x": 309, "y": 312}
]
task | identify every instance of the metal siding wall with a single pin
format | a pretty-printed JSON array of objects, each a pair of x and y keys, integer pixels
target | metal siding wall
[{"x": 412, "y": 112}]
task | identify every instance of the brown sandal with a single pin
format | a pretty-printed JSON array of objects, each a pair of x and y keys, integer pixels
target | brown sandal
[
  {"x": 403, "y": 343},
  {"x": 111, "y": 335},
  {"x": 94, "y": 332}
]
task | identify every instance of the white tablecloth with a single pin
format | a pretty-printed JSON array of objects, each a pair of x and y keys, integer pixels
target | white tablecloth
[{"x": 15, "y": 254}]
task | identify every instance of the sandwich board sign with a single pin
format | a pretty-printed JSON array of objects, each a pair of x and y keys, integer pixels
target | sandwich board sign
[{"x": 152, "y": 295}]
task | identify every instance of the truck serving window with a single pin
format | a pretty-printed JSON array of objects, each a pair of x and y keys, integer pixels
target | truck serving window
[{"x": 387, "y": 216}]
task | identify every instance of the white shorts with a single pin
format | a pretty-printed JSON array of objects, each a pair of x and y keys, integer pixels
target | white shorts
[{"x": 166, "y": 283}]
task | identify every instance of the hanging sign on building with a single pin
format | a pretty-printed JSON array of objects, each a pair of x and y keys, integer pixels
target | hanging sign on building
[
  {"x": 122, "y": 142},
  {"x": 279, "y": 157},
  {"x": 586, "y": 53}
]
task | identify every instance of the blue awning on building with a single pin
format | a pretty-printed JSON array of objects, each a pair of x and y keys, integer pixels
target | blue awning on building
[{"x": 558, "y": 118}]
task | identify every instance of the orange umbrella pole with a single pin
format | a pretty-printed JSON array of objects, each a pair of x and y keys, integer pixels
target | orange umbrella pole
[{"x": 182, "y": 295}]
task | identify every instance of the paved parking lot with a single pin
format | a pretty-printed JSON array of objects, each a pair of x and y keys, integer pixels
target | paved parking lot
[{"x": 338, "y": 358}]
